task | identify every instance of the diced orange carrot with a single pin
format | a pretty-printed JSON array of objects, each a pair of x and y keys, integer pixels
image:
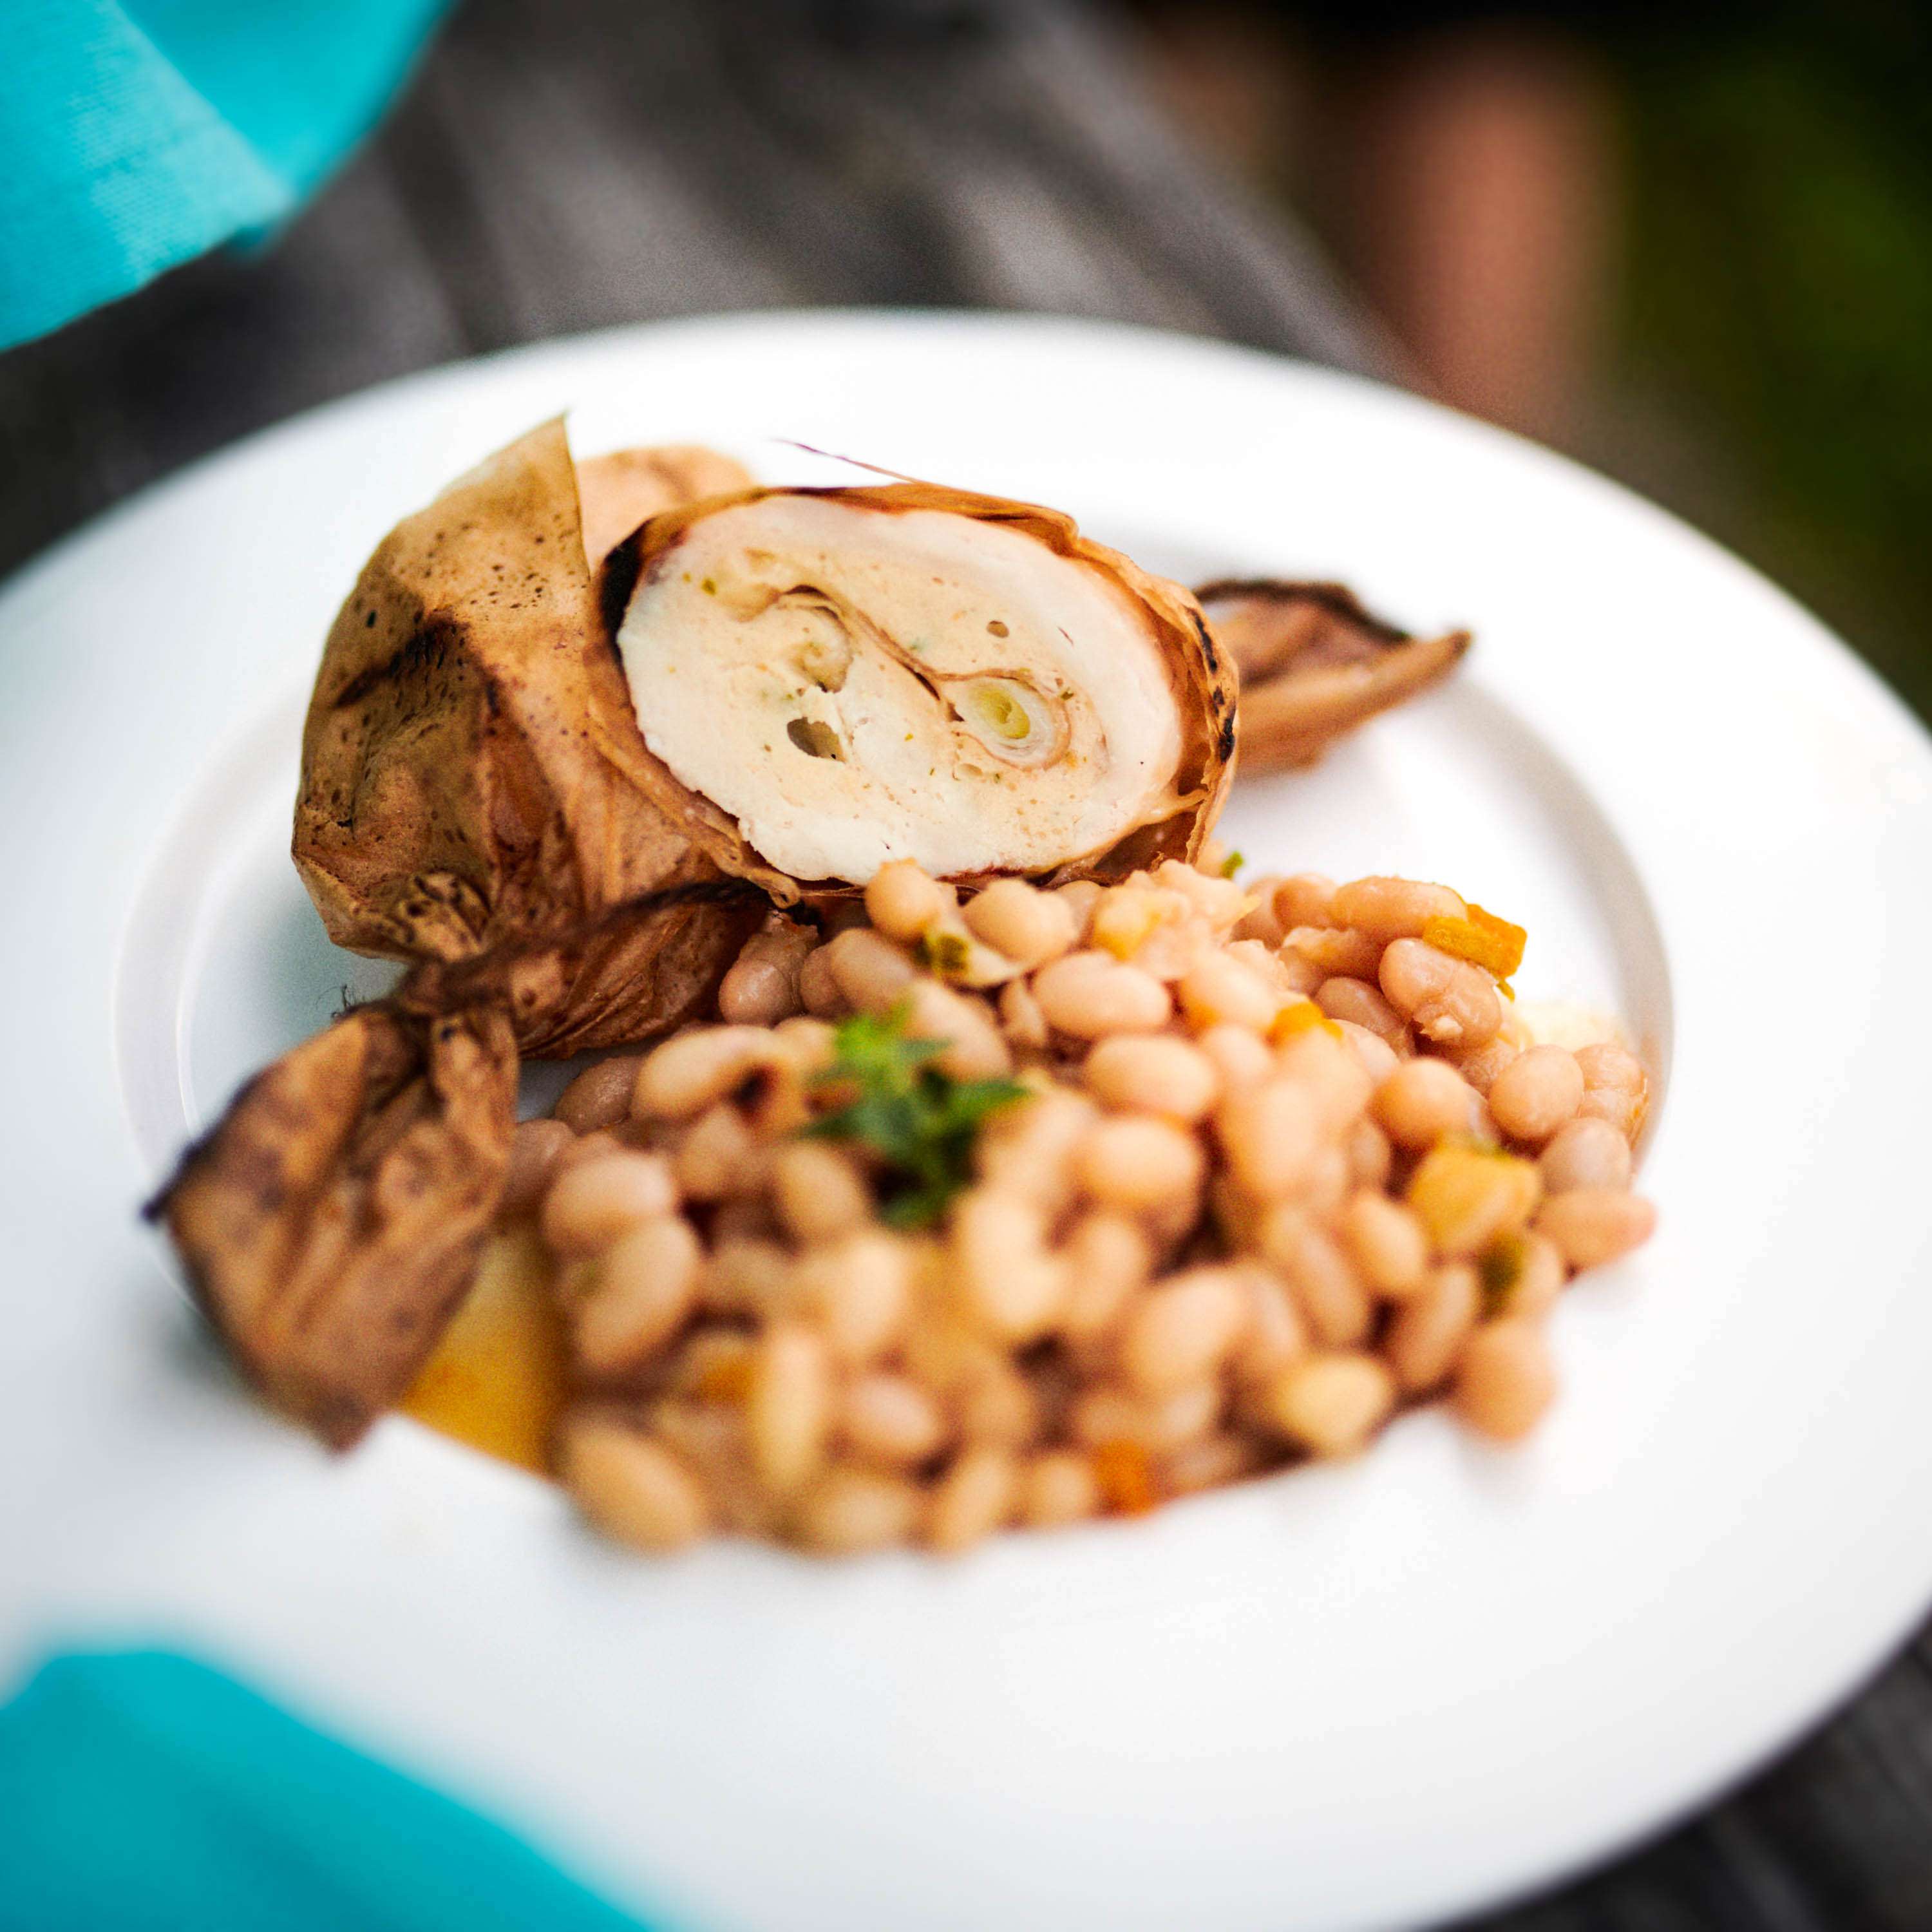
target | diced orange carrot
[
  {"x": 1297, "y": 1017},
  {"x": 1483, "y": 939},
  {"x": 1514, "y": 936}
]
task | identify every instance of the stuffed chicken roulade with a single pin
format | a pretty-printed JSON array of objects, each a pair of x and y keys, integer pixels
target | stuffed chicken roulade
[{"x": 851, "y": 676}]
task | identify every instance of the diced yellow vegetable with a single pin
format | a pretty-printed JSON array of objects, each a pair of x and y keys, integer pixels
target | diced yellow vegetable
[
  {"x": 496, "y": 1378},
  {"x": 1470, "y": 1196},
  {"x": 1122, "y": 918}
]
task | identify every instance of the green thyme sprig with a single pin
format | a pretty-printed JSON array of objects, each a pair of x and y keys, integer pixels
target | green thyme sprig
[{"x": 921, "y": 1123}]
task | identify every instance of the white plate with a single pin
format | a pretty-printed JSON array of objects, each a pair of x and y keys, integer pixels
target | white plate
[{"x": 1356, "y": 1697}]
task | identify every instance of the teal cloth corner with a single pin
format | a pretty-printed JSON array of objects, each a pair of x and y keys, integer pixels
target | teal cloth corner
[
  {"x": 135, "y": 134},
  {"x": 142, "y": 1792}
]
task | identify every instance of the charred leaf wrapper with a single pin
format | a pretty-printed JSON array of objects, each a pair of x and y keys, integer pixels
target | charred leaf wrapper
[
  {"x": 1313, "y": 665},
  {"x": 478, "y": 799}
]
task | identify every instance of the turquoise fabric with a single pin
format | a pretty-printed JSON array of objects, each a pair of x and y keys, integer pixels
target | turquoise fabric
[
  {"x": 140, "y": 1791},
  {"x": 135, "y": 134}
]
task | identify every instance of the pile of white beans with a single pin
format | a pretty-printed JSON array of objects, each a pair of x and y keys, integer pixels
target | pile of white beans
[{"x": 1285, "y": 1167}]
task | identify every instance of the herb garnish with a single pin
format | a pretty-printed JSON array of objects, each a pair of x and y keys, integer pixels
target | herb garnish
[{"x": 921, "y": 1122}]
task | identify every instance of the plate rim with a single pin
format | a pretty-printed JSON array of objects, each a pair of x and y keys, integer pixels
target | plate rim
[{"x": 34, "y": 576}]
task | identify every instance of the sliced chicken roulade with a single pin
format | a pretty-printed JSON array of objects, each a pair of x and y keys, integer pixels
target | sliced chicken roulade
[{"x": 850, "y": 677}]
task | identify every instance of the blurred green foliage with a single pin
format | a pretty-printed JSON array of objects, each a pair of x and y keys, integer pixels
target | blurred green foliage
[{"x": 1780, "y": 288}]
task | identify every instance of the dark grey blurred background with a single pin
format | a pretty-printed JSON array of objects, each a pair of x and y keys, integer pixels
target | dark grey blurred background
[
  {"x": 1692, "y": 243},
  {"x": 562, "y": 165}
]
